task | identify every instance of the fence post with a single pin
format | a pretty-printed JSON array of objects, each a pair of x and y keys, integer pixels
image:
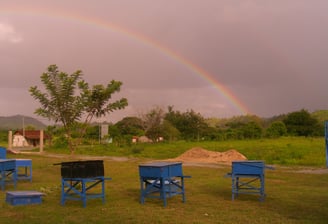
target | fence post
[
  {"x": 41, "y": 140},
  {"x": 326, "y": 140},
  {"x": 10, "y": 139}
]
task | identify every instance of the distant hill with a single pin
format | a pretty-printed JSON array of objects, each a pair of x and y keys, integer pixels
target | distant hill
[{"x": 17, "y": 121}]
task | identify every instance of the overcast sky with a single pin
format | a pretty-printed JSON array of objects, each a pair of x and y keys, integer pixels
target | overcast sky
[{"x": 267, "y": 57}]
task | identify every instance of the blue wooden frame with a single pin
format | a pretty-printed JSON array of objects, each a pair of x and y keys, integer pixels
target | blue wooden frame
[
  {"x": 8, "y": 172},
  {"x": 161, "y": 180},
  {"x": 248, "y": 177},
  {"x": 248, "y": 184},
  {"x": 77, "y": 189},
  {"x": 3, "y": 153},
  {"x": 26, "y": 164}
]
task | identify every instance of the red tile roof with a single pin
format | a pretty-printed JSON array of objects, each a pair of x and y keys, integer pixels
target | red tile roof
[{"x": 31, "y": 134}]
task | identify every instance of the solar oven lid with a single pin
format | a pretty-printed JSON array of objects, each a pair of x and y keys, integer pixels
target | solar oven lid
[
  {"x": 24, "y": 193},
  {"x": 82, "y": 169},
  {"x": 160, "y": 164},
  {"x": 7, "y": 160},
  {"x": 248, "y": 161},
  {"x": 256, "y": 163},
  {"x": 81, "y": 161},
  {"x": 77, "y": 162}
]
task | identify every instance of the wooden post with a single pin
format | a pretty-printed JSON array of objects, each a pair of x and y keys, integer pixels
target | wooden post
[
  {"x": 326, "y": 138},
  {"x": 41, "y": 140},
  {"x": 10, "y": 139}
]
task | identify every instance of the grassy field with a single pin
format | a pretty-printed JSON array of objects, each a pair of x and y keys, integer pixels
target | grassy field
[
  {"x": 296, "y": 193},
  {"x": 288, "y": 151}
]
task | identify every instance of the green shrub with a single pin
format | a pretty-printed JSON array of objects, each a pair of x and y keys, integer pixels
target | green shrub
[
  {"x": 59, "y": 142},
  {"x": 137, "y": 149}
]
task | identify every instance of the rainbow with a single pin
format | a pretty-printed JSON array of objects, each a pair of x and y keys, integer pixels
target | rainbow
[{"x": 106, "y": 25}]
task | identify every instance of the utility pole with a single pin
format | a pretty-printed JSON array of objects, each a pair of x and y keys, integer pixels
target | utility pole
[
  {"x": 41, "y": 140},
  {"x": 326, "y": 138},
  {"x": 99, "y": 134},
  {"x": 23, "y": 126},
  {"x": 10, "y": 139}
]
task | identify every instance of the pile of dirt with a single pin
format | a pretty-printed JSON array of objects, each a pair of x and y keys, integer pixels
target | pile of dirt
[{"x": 200, "y": 155}]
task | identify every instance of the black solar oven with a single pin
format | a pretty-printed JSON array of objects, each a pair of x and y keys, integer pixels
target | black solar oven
[{"x": 82, "y": 169}]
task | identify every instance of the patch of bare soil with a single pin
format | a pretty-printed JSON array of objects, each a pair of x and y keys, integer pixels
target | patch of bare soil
[
  {"x": 313, "y": 171},
  {"x": 200, "y": 155},
  {"x": 77, "y": 157}
]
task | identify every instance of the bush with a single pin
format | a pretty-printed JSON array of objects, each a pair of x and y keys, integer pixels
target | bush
[
  {"x": 137, "y": 149},
  {"x": 59, "y": 142}
]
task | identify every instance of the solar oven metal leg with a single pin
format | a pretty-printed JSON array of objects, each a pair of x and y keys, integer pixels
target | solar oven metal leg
[
  {"x": 3, "y": 176},
  {"x": 142, "y": 196},
  {"x": 15, "y": 175},
  {"x": 163, "y": 193},
  {"x": 103, "y": 189},
  {"x": 63, "y": 192},
  {"x": 30, "y": 173},
  {"x": 84, "y": 193},
  {"x": 233, "y": 187},
  {"x": 183, "y": 191},
  {"x": 262, "y": 188},
  {"x": 237, "y": 186}
]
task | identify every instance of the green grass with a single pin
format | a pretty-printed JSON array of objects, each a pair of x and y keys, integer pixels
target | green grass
[
  {"x": 296, "y": 151},
  {"x": 292, "y": 197}
]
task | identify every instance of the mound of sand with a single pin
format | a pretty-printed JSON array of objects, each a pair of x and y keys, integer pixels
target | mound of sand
[{"x": 200, "y": 155}]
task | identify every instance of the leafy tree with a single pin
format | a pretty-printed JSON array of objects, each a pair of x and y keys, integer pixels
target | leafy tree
[
  {"x": 276, "y": 129},
  {"x": 191, "y": 125},
  {"x": 175, "y": 118},
  {"x": 239, "y": 121},
  {"x": 252, "y": 130},
  {"x": 195, "y": 125},
  {"x": 301, "y": 123},
  {"x": 321, "y": 116},
  {"x": 153, "y": 121},
  {"x": 213, "y": 133},
  {"x": 235, "y": 133},
  {"x": 130, "y": 126},
  {"x": 69, "y": 99},
  {"x": 92, "y": 133},
  {"x": 169, "y": 131},
  {"x": 51, "y": 130},
  {"x": 240, "y": 127},
  {"x": 116, "y": 135},
  {"x": 235, "y": 124}
]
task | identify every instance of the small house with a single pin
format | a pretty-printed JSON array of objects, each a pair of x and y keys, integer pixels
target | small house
[{"x": 28, "y": 138}]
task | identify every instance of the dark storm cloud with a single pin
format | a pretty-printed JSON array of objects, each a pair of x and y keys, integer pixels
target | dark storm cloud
[{"x": 270, "y": 54}]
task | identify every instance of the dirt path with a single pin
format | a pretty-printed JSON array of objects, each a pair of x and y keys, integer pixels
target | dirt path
[{"x": 81, "y": 157}]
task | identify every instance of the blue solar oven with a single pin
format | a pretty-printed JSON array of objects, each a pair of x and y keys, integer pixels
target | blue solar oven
[
  {"x": 161, "y": 180},
  {"x": 248, "y": 177}
]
